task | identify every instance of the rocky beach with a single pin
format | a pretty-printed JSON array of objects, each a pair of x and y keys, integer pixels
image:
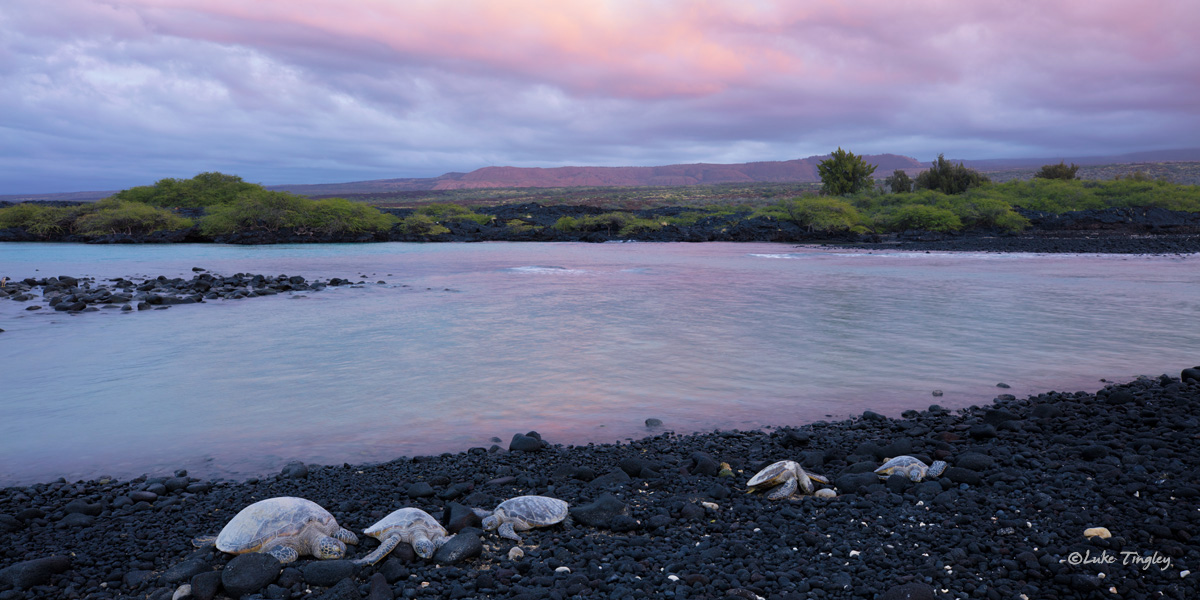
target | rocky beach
[{"x": 1060, "y": 495}]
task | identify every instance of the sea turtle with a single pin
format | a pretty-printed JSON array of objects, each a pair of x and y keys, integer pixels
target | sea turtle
[
  {"x": 286, "y": 528},
  {"x": 911, "y": 467},
  {"x": 410, "y": 525},
  {"x": 790, "y": 474},
  {"x": 522, "y": 514}
]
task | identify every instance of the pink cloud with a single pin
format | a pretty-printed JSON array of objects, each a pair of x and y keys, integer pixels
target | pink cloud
[{"x": 457, "y": 85}]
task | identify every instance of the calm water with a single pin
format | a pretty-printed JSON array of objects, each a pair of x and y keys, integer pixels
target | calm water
[{"x": 580, "y": 342}]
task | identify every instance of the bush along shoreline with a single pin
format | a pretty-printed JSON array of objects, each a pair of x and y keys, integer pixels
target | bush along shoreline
[
  {"x": 957, "y": 209},
  {"x": 1068, "y": 495},
  {"x": 1116, "y": 230}
]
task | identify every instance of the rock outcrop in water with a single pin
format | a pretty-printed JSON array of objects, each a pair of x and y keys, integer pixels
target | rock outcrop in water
[
  {"x": 655, "y": 518},
  {"x": 85, "y": 294}
]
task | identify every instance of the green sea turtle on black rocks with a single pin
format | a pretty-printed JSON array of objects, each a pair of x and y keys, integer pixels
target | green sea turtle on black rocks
[
  {"x": 910, "y": 467},
  {"x": 409, "y": 525},
  {"x": 522, "y": 514},
  {"x": 286, "y": 528},
  {"x": 788, "y": 475}
]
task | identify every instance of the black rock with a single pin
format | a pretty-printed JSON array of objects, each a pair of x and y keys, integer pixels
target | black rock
[
  {"x": 974, "y": 461},
  {"x": 1046, "y": 411},
  {"x": 393, "y": 569},
  {"x": 24, "y": 575},
  {"x": 185, "y": 570},
  {"x": 137, "y": 577},
  {"x": 612, "y": 479},
  {"x": 205, "y": 585},
  {"x": 462, "y": 546},
  {"x": 380, "y": 589},
  {"x": 703, "y": 464},
  {"x": 871, "y": 415},
  {"x": 961, "y": 475},
  {"x": 908, "y": 591},
  {"x": 295, "y": 470},
  {"x": 1094, "y": 452},
  {"x": 601, "y": 512},
  {"x": 75, "y": 520},
  {"x": 996, "y": 417},
  {"x": 652, "y": 422},
  {"x": 249, "y": 573},
  {"x": 1192, "y": 374},
  {"x": 455, "y": 491},
  {"x": 982, "y": 431},
  {"x": 524, "y": 443},
  {"x": 898, "y": 483},
  {"x": 82, "y": 507},
  {"x": 9, "y": 523},
  {"x": 855, "y": 482},
  {"x": 326, "y": 573},
  {"x": 457, "y": 516},
  {"x": 420, "y": 489},
  {"x": 793, "y": 438},
  {"x": 345, "y": 589},
  {"x": 1120, "y": 397}
]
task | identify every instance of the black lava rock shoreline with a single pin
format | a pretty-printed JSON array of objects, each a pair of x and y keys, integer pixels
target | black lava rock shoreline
[
  {"x": 662, "y": 518},
  {"x": 1113, "y": 230}
]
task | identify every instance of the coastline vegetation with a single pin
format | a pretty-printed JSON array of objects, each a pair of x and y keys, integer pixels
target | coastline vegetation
[{"x": 946, "y": 197}]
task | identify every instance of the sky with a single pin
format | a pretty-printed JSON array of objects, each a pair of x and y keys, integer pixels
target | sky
[{"x": 108, "y": 94}]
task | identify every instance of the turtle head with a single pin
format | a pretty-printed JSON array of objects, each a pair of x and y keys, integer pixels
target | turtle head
[
  {"x": 329, "y": 549},
  {"x": 491, "y": 522},
  {"x": 936, "y": 468},
  {"x": 423, "y": 547}
]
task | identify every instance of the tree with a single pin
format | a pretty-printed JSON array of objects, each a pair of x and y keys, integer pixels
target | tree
[
  {"x": 1059, "y": 171},
  {"x": 899, "y": 182},
  {"x": 844, "y": 173},
  {"x": 949, "y": 178}
]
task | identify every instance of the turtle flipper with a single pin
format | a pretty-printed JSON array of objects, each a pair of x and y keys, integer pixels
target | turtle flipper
[
  {"x": 806, "y": 484},
  {"x": 936, "y": 468},
  {"x": 285, "y": 554},
  {"x": 346, "y": 536},
  {"x": 204, "y": 540},
  {"x": 787, "y": 489},
  {"x": 818, "y": 478},
  {"x": 506, "y": 531},
  {"x": 389, "y": 544}
]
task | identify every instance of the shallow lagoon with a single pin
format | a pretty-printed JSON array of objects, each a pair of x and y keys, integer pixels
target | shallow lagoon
[{"x": 580, "y": 342}]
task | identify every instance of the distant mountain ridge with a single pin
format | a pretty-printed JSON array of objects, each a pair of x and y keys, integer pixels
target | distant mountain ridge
[{"x": 803, "y": 170}]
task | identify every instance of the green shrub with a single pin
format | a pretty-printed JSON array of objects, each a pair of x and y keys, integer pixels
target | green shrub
[
  {"x": 263, "y": 210},
  {"x": 43, "y": 220},
  {"x": 339, "y": 215},
  {"x": 977, "y": 210},
  {"x": 899, "y": 182},
  {"x": 418, "y": 224},
  {"x": 1059, "y": 171},
  {"x": 844, "y": 173},
  {"x": 614, "y": 223},
  {"x": 131, "y": 218},
  {"x": 566, "y": 224},
  {"x": 205, "y": 189},
  {"x": 816, "y": 214},
  {"x": 517, "y": 226},
  {"x": 452, "y": 212},
  {"x": 949, "y": 178},
  {"x": 923, "y": 217}
]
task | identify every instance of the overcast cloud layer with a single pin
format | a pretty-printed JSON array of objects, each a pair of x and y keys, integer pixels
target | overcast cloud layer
[{"x": 106, "y": 94}]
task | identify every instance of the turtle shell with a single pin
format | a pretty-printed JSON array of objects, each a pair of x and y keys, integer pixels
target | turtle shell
[
  {"x": 272, "y": 518},
  {"x": 538, "y": 511},
  {"x": 410, "y": 520},
  {"x": 902, "y": 462},
  {"x": 774, "y": 473}
]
